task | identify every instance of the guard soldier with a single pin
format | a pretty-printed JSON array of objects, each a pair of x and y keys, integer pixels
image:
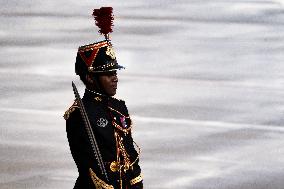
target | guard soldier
[{"x": 108, "y": 119}]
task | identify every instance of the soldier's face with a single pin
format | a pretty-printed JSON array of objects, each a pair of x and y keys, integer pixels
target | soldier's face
[{"x": 109, "y": 81}]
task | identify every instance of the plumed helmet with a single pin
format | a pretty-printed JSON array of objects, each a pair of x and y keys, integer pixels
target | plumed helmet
[{"x": 98, "y": 57}]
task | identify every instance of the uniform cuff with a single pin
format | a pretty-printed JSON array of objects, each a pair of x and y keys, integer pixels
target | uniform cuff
[{"x": 136, "y": 180}]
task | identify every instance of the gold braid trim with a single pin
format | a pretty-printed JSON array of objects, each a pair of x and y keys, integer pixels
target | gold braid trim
[
  {"x": 136, "y": 180},
  {"x": 118, "y": 126},
  {"x": 118, "y": 112},
  {"x": 93, "y": 46},
  {"x": 139, "y": 152},
  {"x": 126, "y": 164},
  {"x": 100, "y": 184},
  {"x": 124, "y": 154},
  {"x": 122, "y": 129}
]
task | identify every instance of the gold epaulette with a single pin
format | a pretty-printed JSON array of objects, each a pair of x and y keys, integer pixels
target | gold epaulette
[{"x": 70, "y": 110}]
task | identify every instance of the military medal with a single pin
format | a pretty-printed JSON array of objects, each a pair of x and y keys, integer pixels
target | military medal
[{"x": 123, "y": 122}]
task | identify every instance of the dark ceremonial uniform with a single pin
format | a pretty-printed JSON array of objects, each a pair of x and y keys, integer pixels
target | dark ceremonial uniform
[
  {"x": 111, "y": 125},
  {"x": 109, "y": 119}
]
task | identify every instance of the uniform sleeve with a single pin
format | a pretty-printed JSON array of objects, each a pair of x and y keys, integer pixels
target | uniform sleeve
[
  {"x": 78, "y": 142},
  {"x": 135, "y": 175},
  {"x": 135, "y": 172}
]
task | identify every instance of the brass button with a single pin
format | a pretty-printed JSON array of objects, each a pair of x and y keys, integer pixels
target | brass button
[{"x": 114, "y": 166}]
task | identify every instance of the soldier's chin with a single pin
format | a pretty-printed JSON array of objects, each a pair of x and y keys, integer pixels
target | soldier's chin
[{"x": 112, "y": 92}]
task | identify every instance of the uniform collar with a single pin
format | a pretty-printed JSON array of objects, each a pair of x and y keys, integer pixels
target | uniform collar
[{"x": 95, "y": 95}]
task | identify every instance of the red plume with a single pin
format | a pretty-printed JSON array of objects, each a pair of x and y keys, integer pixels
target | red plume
[{"x": 104, "y": 19}]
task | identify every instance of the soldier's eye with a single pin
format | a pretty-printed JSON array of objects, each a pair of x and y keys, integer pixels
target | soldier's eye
[{"x": 113, "y": 73}]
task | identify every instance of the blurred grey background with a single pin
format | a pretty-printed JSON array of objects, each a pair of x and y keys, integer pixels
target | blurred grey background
[{"x": 204, "y": 86}]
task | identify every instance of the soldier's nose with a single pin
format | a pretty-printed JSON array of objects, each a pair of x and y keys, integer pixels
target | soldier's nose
[{"x": 114, "y": 78}]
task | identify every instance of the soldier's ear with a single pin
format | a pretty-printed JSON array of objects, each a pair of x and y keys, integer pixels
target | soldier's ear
[{"x": 89, "y": 79}]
